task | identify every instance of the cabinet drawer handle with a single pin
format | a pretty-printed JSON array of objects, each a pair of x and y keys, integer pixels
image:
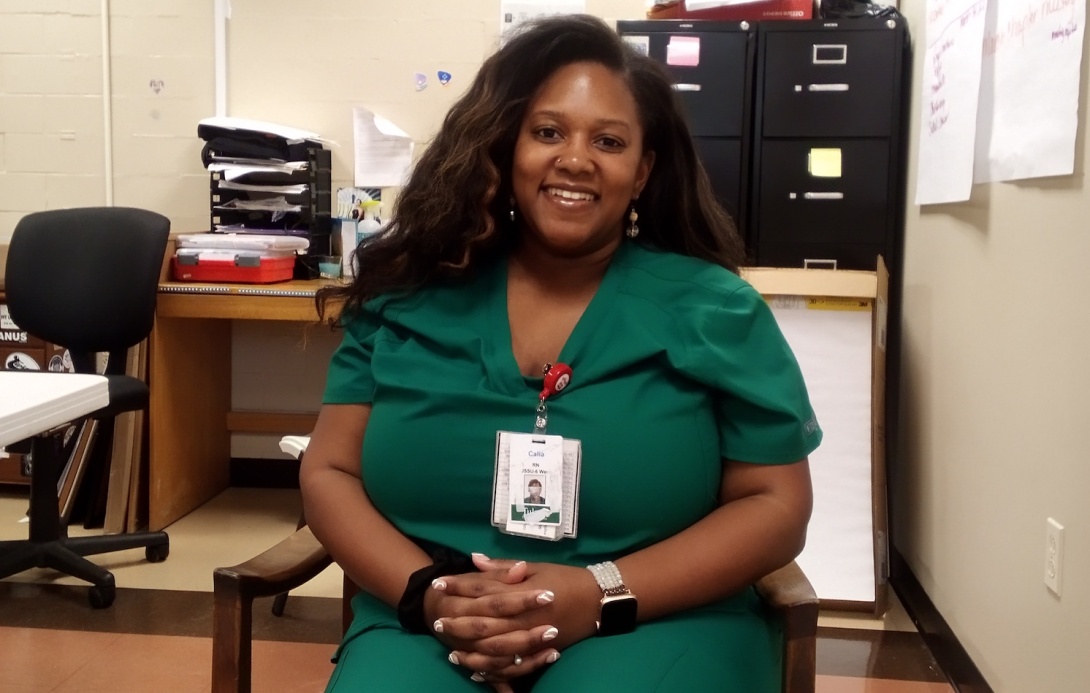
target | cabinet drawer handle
[
  {"x": 830, "y": 54},
  {"x": 827, "y": 87},
  {"x": 686, "y": 87},
  {"x": 823, "y": 195}
]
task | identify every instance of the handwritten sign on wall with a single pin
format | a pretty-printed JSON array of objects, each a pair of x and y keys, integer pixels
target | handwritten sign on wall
[
  {"x": 1029, "y": 90},
  {"x": 1000, "y": 93},
  {"x": 951, "y": 85}
]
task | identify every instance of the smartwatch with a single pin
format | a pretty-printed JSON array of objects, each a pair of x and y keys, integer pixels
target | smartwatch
[{"x": 617, "y": 613}]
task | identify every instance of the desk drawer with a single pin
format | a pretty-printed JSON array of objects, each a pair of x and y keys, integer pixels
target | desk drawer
[
  {"x": 710, "y": 65},
  {"x": 853, "y": 256},
  {"x": 824, "y": 190},
  {"x": 829, "y": 83}
]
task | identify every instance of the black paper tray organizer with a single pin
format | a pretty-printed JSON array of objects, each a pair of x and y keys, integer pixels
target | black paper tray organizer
[{"x": 295, "y": 200}]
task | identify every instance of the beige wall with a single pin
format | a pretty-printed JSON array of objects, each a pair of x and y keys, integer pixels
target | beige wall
[
  {"x": 53, "y": 122},
  {"x": 997, "y": 382},
  {"x": 995, "y": 330}
]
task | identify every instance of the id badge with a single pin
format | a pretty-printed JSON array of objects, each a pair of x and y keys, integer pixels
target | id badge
[{"x": 536, "y": 485}]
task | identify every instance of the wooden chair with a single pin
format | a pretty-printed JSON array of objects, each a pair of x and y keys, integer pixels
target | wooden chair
[{"x": 300, "y": 557}]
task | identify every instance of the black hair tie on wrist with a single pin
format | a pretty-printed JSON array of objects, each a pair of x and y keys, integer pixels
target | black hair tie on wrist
[{"x": 410, "y": 609}]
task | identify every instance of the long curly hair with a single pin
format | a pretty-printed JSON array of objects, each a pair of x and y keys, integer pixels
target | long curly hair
[{"x": 452, "y": 216}]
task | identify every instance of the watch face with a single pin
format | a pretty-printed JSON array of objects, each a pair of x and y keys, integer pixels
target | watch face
[{"x": 618, "y": 615}]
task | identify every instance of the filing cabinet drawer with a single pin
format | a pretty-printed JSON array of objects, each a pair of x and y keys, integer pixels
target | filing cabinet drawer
[
  {"x": 856, "y": 256},
  {"x": 714, "y": 90},
  {"x": 722, "y": 160},
  {"x": 829, "y": 83},
  {"x": 824, "y": 191}
]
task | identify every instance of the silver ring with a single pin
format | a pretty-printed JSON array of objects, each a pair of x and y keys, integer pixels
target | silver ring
[{"x": 518, "y": 660}]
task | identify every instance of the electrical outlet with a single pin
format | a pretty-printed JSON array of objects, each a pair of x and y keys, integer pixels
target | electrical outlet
[{"x": 1054, "y": 554}]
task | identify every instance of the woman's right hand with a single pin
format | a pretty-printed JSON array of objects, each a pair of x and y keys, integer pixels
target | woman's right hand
[{"x": 485, "y": 621}]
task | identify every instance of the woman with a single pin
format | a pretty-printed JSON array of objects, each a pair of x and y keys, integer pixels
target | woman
[{"x": 560, "y": 216}]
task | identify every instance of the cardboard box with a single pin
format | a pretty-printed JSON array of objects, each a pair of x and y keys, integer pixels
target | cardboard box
[
  {"x": 22, "y": 351},
  {"x": 836, "y": 323},
  {"x": 19, "y": 349},
  {"x": 12, "y": 336},
  {"x": 746, "y": 11}
]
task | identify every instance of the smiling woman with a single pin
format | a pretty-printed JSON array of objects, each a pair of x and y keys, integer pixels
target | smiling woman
[
  {"x": 675, "y": 461},
  {"x": 579, "y": 162}
]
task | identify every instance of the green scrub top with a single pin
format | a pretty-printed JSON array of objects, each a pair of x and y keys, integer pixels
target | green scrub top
[{"x": 676, "y": 364}]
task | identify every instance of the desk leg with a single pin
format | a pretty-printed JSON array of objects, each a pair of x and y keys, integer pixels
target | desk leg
[{"x": 189, "y": 445}]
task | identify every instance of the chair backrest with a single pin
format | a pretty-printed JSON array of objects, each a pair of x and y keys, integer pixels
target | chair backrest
[{"x": 86, "y": 278}]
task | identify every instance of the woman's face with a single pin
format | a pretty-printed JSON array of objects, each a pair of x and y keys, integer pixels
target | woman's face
[{"x": 579, "y": 161}]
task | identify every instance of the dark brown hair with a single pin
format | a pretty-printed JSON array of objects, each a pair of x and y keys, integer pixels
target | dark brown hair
[{"x": 451, "y": 217}]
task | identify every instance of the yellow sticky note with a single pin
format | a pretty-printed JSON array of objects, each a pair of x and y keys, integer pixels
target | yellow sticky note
[{"x": 825, "y": 163}]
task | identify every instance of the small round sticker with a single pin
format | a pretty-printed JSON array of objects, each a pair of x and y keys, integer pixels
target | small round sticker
[{"x": 18, "y": 361}]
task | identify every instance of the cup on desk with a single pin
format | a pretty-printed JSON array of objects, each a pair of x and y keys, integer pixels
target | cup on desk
[{"x": 329, "y": 266}]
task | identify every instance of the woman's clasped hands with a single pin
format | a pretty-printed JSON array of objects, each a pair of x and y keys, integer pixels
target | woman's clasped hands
[{"x": 513, "y": 617}]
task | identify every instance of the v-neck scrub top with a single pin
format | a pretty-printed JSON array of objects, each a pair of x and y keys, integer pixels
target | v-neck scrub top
[{"x": 677, "y": 364}]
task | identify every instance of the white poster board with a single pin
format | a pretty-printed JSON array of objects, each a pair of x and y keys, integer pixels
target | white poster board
[
  {"x": 834, "y": 349},
  {"x": 836, "y": 323}
]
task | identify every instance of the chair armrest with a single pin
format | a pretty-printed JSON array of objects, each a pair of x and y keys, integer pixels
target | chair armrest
[
  {"x": 790, "y": 595},
  {"x": 788, "y": 588},
  {"x": 285, "y": 566}
]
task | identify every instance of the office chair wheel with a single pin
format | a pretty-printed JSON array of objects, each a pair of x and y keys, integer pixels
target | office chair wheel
[
  {"x": 157, "y": 554},
  {"x": 101, "y": 596}
]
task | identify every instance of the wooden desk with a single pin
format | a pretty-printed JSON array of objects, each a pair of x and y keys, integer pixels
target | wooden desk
[{"x": 190, "y": 419}]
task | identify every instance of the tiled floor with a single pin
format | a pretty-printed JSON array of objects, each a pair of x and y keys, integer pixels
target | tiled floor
[{"x": 156, "y": 635}]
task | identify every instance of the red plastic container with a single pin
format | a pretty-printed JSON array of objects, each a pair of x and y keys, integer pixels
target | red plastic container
[{"x": 251, "y": 270}]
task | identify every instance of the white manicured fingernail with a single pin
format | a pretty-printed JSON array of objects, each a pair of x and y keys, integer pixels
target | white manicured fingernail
[
  {"x": 548, "y": 635},
  {"x": 546, "y": 597},
  {"x": 452, "y": 658},
  {"x": 438, "y": 625},
  {"x": 481, "y": 556},
  {"x": 439, "y": 584},
  {"x": 478, "y": 678},
  {"x": 518, "y": 563},
  {"x": 553, "y": 656}
]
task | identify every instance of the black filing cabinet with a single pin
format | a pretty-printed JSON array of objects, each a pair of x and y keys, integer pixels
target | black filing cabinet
[
  {"x": 712, "y": 66},
  {"x": 828, "y": 160}
]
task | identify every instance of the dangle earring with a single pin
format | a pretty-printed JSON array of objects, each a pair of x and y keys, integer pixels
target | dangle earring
[
  {"x": 511, "y": 200},
  {"x": 632, "y": 231}
]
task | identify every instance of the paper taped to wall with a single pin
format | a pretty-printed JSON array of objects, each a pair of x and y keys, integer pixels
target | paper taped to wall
[{"x": 384, "y": 152}]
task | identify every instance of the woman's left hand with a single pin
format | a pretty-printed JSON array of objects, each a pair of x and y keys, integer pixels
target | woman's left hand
[{"x": 497, "y": 658}]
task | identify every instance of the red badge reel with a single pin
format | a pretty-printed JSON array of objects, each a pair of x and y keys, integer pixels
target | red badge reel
[{"x": 557, "y": 377}]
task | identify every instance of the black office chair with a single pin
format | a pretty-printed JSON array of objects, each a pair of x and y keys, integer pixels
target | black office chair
[{"x": 85, "y": 279}]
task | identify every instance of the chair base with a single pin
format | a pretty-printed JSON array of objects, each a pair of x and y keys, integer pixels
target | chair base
[{"x": 49, "y": 545}]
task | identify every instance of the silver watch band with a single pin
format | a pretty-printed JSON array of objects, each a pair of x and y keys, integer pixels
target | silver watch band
[{"x": 608, "y": 577}]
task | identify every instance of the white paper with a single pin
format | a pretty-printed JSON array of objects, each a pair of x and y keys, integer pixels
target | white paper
[
  {"x": 289, "y": 133},
  {"x": 232, "y": 171},
  {"x": 948, "y": 102},
  {"x": 515, "y": 12},
  {"x": 1029, "y": 94},
  {"x": 383, "y": 151},
  {"x": 834, "y": 350}
]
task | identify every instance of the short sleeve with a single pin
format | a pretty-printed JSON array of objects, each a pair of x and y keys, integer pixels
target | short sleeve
[
  {"x": 350, "y": 379},
  {"x": 763, "y": 409}
]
